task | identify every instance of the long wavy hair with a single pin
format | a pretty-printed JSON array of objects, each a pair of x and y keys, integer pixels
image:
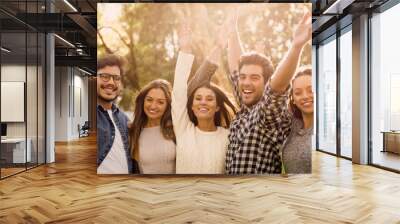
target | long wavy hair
[
  {"x": 227, "y": 109},
  {"x": 302, "y": 71},
  {"x": 140, "y": 119}
]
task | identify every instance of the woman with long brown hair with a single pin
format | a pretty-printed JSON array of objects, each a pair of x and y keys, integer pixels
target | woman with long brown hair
[
  {"x": 201, "y": 113},
  {"x": 152, "y": 138},
  {"x": 296, "y": 153}
]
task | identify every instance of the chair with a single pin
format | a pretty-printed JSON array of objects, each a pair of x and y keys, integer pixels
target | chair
[{"x": 84, "y": 130}]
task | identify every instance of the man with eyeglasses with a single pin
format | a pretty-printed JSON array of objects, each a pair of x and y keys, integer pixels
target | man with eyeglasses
[{"x": 113, "y": 156}]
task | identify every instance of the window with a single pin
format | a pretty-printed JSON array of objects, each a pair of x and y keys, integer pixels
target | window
[
  {"x": 327, "y": 96},
  {"x": 385, "y": 88},
  {"x": 346, "y": 93},
  {"x": 22, "y": 67}
]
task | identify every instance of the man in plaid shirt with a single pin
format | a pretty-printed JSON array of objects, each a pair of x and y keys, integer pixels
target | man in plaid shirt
[{"x": 262, "y": 124}]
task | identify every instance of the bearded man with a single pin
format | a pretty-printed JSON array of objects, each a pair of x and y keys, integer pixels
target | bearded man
[{"x": 113, "y": 155}]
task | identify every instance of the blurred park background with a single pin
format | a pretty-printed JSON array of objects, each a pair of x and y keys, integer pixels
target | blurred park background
[{"x": 145, "y": 35}]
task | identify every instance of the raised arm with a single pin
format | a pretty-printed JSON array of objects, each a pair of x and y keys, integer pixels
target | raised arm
[
  {"x": 235, "y": 49},
  {"x": 287, "y": 67},
  {"x": 274, "y": 109},
  {"x": 209, "y": 66},
  {"x": 183, "y": 67},
  {"x": 206, "y": 70}
]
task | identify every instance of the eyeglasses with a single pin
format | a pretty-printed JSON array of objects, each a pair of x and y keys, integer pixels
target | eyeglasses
[{"x": 106, "y": 77}]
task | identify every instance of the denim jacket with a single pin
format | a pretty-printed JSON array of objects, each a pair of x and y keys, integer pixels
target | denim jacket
[{"x": 106, "y": 134}]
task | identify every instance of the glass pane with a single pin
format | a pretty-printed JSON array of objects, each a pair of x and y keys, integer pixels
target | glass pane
[
  {"x": 346, "y": 94},
  {"x": 31, "y": 97},
  {"x": 327, "y": 97},
  {"x": 41, "y": 99},
  {"x": 386, "y": 89},
  {"x": 13, "y": 86},
  {"x": 80, "y": 101},
  {"x": 314, "y": 81}
]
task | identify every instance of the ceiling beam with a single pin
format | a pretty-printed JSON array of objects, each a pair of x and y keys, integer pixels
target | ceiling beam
[
  {"x": 81, "y": 61},
  {"x": 338, "y": 6}
]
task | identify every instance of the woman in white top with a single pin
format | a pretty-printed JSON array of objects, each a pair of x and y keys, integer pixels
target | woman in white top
[
  {"x": 200, "y": 114},
  {"x": 152, "y": 136}
]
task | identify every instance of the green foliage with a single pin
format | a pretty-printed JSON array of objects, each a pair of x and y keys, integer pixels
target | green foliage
[{"x": 147, "y": 37}]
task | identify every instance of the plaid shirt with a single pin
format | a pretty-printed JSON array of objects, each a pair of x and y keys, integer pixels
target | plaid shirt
[{"x": 258, "y": 133}]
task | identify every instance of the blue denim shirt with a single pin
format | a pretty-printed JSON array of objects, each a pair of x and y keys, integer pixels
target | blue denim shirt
[{"x": 106, "y": 133}]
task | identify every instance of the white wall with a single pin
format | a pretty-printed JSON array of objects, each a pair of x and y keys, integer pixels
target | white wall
[
  {"x": 61, "y": 103},
  {"x": 12, "y": 73},
  {"x": 69, "y": 85}
]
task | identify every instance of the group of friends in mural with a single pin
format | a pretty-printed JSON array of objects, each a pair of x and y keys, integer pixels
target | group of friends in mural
[{"x": 193, "y": 127}]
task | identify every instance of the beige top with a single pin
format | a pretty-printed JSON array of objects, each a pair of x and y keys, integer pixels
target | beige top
[
  {"x": 156, "y": 154},
  {"x": 197, "y": 152}
]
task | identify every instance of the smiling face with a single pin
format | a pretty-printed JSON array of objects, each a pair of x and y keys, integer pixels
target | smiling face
[
  {"x": 251, "y": 84},
  {"x": 109, "y": 90},
  {"x": 303, "y": 94},
  {"x": 155, "y": 104},
  {"x": 204, "y": 104}
]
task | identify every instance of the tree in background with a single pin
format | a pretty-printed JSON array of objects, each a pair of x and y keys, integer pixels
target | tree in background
[{"x": 146, "y": 37}]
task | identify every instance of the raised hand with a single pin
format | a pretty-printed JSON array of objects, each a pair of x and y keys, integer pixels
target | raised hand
[
  {"x": 260, "y": 47},
  {"x": 227, "y": 29},
  {"x": 185, "y": 38},
  {"x": 235, "y": 49},
  {"x": 232, "y": 20},
  {"x": 302, "y": 34},
  {"x": 288, "y": 65},
  {"x": 222, "y": 36}
]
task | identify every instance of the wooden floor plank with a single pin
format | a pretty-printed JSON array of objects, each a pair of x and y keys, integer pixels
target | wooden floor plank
[{"x": 70, "y": 191}]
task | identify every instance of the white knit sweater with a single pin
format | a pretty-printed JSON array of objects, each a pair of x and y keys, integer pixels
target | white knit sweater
[{"x": 197, "y": 152}]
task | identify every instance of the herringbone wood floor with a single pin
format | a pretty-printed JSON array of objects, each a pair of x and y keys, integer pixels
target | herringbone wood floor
[{"x": 69, "y": 191}]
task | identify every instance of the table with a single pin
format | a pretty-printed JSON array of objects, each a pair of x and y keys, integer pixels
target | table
[
  {"x": 13, "y": 150},
  {"x": 391, "y": 141}
]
